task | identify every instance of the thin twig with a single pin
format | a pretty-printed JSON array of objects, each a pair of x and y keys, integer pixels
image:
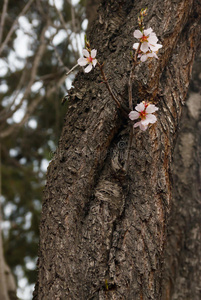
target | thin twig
[
  {"x": 35, "y": 65},
  {"x": 30, "y": 109},
  {"x": 60, "y": 15},
  {"x": 3, "y": 16},
  {"x": 125, "y": 168},
  {"x": 130, "y": 99},
  {"x": 74, "y": 23},
  {"x": 58, "y": 57},
  {"x": 71, "y": 70},
  {"x": 7, "y": 112},
  {"x": 130, "y": 85},
  {"x": 12, "y": 29},
  {"x": 65, "y": 27},
  {"x": 110, "y": 90}
]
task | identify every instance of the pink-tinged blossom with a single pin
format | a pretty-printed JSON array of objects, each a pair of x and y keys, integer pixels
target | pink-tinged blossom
[
  {"x": 88, "y": 59},
  {"x": 144, "y": 56},
  {"x": 149, "y": 46},
  {"x": 143, "y": 111}
]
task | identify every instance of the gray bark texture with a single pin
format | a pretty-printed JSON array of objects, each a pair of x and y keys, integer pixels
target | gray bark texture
[
  {"x": 104, "y": 233},
  {"x": 183, "y": 249}
]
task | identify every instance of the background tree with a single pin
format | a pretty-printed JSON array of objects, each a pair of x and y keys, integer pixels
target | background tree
[
  {"x": 103, "y": 233},
  {"x": 38, "y": 45}
]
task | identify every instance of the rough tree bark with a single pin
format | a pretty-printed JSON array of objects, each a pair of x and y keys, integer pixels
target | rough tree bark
[
  {"x": 182, "y": 279},
  {"x": 103, "y": 233}
]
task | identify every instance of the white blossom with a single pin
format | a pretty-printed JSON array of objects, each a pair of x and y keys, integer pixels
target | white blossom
[
  {"x": 149, "y": 46},
  {"x": 88, "y": 59},
  {"x": 149, "y": 54},
  {"x": 144, "y": 112}
]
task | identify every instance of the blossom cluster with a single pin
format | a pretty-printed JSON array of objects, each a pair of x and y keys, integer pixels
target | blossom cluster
[
  {"x": 143, "y": 111},
  {"x": 147, "y": 47},
  {"x": 148, "y": 44}
]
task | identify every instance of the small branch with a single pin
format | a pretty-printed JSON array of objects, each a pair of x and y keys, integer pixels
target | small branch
[
  {"x": 71, "y": 70},
  {"x": 7, "y": 111},
  {"x": 125, "y": 168},
  {"x": 130, "y": 97},
  {"x": 74, "y": 23},
  {"x": 123, "y": 109},
  {"x": 58, "y": 56},
  {"x": 30, "y": 109},
  {"x": 34, "y": 69},
  {"x": 60, "y": 15},
  {"x": 63, "y": 23},
  {"x": 3, "y": 16},
  {"x": 14, "y": 24}
]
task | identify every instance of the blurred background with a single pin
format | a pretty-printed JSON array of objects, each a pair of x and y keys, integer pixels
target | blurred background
[{"x": 40, "y": 40}]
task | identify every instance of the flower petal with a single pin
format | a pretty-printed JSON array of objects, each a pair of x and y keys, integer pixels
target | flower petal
[
  {"x": 158, "y": 46},
  {"x": 140, "y": 107},
  {"x": 137, "y": 124},
  {"x": 93, "y": 53},
  {"x": 151, "y": 108},
  {"x": 150, "y": 54},
  {"x": 152, "y": 39},
  {"x": 145, "y": 122},
  {"x": 144, "y": 47},
  {"x": 143, "y": 127},
  {"x": 137, "y": 34},
  {"x": 88, "y": 68},
  {"x": 85, "y": 52},
  {"x": 150, "y": 119},
  {"x": 135, "y": 46},
  {"x": 155, "y": 47},
  {"x": 82, "y": 61},
  {"x": 155, "y": 55},
  {"x": 94, "y": 62},
  {"x": 133, "y": 115},
  {"x": 148, "y": 31},
  {"x": 143, "y": 57}
]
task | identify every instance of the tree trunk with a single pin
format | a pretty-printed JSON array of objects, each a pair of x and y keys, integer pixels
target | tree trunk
[
  {"x": 103, "y": 233},
  {"x": 183, "y": 251},
  {"x": 3, "y": 288},
  {"x": 7, "y": 281}
]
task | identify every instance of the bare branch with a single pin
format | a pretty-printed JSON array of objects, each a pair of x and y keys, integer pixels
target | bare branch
[
  {"x": 65, "y": 27},
  {"x": 74, "y": 23},
  {"x": 119, "y": 105},
  {"x": 3, "y": 16},
  {"x": 71, "y": 70},
  {"x": 60, "y": 16},
  {"x": 14, "y": 24},
  {"x": 30, "y": 109},
  {"x": 6, "y": 112},
  {"x": 38, "y": 56},
  {"x": 130, "y": 84}
]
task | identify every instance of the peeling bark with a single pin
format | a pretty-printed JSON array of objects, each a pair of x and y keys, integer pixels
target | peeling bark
[{"x": 103, "y": 232}]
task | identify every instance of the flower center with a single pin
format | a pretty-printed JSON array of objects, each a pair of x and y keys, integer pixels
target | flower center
[
  {"x": 144, "y": 38},
  {"x": 143, "y": 115},
  {"x": 89, "y": 59}
]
